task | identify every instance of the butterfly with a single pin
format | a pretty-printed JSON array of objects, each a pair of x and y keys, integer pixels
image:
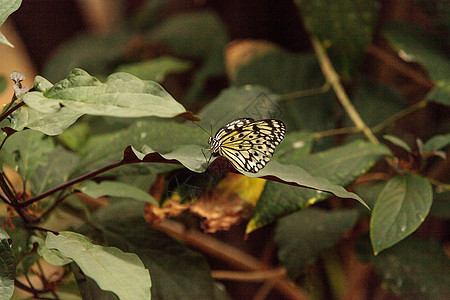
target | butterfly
[{"x": 248, "y": 144}]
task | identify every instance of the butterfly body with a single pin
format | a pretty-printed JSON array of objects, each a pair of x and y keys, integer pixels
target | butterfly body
[{"x": 248, "y": 144}]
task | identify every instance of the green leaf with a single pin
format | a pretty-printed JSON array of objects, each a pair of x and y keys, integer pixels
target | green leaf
[
  {"x": 7, "y": 266},
  {"x": 162, "y": 135},
  {"x": 340, "y": 165},
  {"x": 60, "y": 164},
  {"x": 401, "y": 207},
  {"x": 115, "y": 189},
  {"x": 75, "y": 136},
  {"x": 345, "y": 26},
  {"x": 52, "y": 256},
  {"x": 122, "y": 95},
  {"x": 412, "y": 269},
  {"x": 232, "y": 103},
  {"x": 113, "y": 270},
  {"x": 437, "y": 142},
  {"x": 294, "y": 146},
  {"x": 7, "y": 7},
  {"x": 191, "y": 34},
  {"x": 398, "y": 142},
  {"x": 374, "y": 101},
  {"x": 52, "y": 123},
  {"x": 96, "y": 54},
  {"x": 303, "y": 236},
  {"x": 440, "y": 207},
  {"x": 25, "y": 151},
  {"x": 177, "y": 272},
  {"x": 413, "y": 43},
  {"x": 156, "y": 69}
]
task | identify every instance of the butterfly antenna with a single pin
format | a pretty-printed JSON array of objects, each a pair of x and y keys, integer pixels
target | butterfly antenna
[{"x": 203, "y": 129}]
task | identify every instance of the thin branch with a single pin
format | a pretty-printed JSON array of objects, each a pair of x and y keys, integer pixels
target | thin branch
[
  {"x": 333, "y": 79},
  {"x": 392, "y": 119},
  {"x": 7, "y": 113},
  {"x": 54, "y": 205},
  {"x": 305, "y": 93},
  {"x": 254, "y": 276},
  {"x": 337, "y": 131},
  {"x": 69, "y": 183}
]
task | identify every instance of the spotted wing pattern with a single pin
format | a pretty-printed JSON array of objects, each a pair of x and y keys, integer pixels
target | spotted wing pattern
[{"x": 248, "y": 144}]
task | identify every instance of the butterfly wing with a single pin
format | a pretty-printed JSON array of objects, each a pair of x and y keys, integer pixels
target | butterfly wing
[{"x": 249, "y": 144}]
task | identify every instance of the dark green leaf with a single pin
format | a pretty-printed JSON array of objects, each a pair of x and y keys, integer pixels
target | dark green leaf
[
  {"x": 340, "y": 166},
  {"x": 115, "y": 189},
  {"x": 345, "y": 26},
  {"x": 398, "y": 142},
  {"x": 302, "y": 236},
  {"x": 441, "y": 207},
  {"x": 156, "y": 69},
  {"x": 122, "y": 95},
  {"x": 401, "y": 207},
  {"x": 414, "y": 44},
  {"x": 60, "y": 164},
  {"x": 437, "y": 142},
  {"x": 375, "y": 101},
  {"x": 232, "y": 103},
  {"x": 91, "y": 52},
  {"x": 163, "y": 136},
  {"x": 75, "y": 136},
  {"x": 412, "y": 269},
  {"x": 191, "y": 34},
  {"x": 370, "y": 192},
  {"x": 7, "y": 266},
  {"x": 291, "y": 73},
  {"x": 177, "y": 272},
  {"x": 25, "y": 151},
  {"x": 113, "y": 270},
  {"x": 294, "y": 146}
]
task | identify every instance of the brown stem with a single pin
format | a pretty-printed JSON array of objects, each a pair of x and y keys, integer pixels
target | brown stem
[{"x": 69, "y": 183}]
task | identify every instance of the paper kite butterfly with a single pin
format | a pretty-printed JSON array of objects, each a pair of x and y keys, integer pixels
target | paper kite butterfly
[{"x": 248, "y": 144}]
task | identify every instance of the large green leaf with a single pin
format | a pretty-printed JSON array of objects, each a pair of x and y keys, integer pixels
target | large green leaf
[
  {"x": 7, "y": 266},
  {"x": 52, "y": 123},
  {"x": 122, "y": 95},
  {"x": 113, "y": 270},
  {"x": 412, "y": 269},
  {"x": 7, "y": 7},
  {"x": 346, "y": 27},
  {"x": 25, "y": 151},
  {"x": 401, "y": 207},
  {"x": 340, "y": 165},
  {"x": 286, "y": 173},
  {"x": 156, "y": 69},
  {"x": 302, "y": 236},
  {"x": 414, "y": 44},
  {"x": 177, "y": 272},
  {"x": 57, "y": 171},
  {"x": 115, "y": 189}
]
